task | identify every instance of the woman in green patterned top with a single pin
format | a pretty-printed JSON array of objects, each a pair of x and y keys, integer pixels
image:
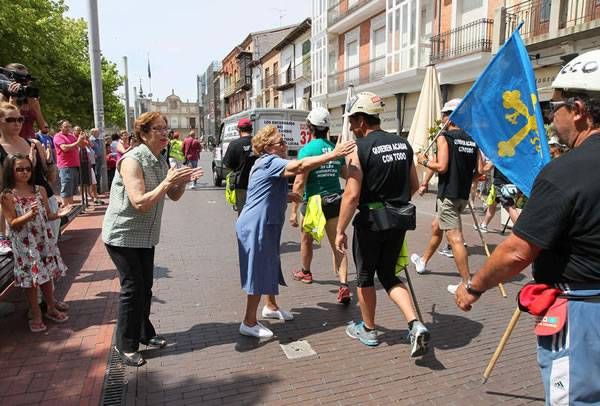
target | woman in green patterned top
[{"x": 132, "y": 226}]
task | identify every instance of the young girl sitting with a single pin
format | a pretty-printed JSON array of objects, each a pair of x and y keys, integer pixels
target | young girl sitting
[{"x": 36, "y": 259}]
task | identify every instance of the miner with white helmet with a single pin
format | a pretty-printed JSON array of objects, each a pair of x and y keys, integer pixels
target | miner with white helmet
[
  {"x": 325, "y": 182},
  {"x": 381, "y": 181},
  {"x": 559, "y": 233}
]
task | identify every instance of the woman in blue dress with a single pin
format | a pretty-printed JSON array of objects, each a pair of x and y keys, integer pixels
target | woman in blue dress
[{"x": 261, "y": 221}]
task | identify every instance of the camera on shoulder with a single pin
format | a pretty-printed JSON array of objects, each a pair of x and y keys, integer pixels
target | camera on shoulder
[{"x": 9, "y": 76}]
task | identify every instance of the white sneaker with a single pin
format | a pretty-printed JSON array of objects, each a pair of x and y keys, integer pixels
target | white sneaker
[
  {"x": 278, "y": 314},
  {"x": 482, "y": 227},
  {"x": 452, "y": 289},
  {"x": 419, "y": 263},
  {"x": 258, "y": 331}
]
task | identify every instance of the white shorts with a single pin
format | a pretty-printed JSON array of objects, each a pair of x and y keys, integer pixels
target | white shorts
[{"x": 93, "y": 176}]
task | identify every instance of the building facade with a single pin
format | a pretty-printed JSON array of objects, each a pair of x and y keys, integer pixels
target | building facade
[
  {"x": 238, "y": 67},
  {"x": 383, "y": 46},
  {"x": 181, "y": 116}
]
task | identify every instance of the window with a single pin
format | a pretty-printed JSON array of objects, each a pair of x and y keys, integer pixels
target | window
[
  {"x": 402, "y": 36},
  {"x": 351, "y": 51},
  {"x": 377, "y": 67},
  {"x": 267, "y": 78},
  {"x": 545, "y": 10},
  {"x": 192, "y": 121},
  {"x": 276, "y": 102},
  {"x": 174, "y": 122}
]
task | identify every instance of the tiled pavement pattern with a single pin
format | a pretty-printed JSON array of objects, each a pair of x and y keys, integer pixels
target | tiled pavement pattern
[
  {"x": 198, "y": 307},
  {"x": 66, "y": 364}
]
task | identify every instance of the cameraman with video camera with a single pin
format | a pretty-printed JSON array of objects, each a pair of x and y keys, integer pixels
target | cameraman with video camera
[{"x": 15, "y": 86}]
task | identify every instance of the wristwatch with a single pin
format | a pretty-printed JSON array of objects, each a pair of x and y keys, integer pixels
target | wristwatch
[
  {"x": 471, "y": 291},
  {"x": 425, "y": 162}
]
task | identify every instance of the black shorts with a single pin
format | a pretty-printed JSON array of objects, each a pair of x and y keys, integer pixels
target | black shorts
[
  {"x": 330, "y": 210},
  {"x": 377, "y": 252}
]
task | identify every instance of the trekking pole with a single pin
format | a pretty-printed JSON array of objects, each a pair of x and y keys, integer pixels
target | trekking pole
[
  {"x": 505, "y": 226},
  {"x": 412, "y": 294},
  {"x": 487, "y": 251},
  {"x": 511, "y": 325}
]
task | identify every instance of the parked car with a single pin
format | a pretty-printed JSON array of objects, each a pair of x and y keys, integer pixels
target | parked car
[{"x": 291, "y": 124}]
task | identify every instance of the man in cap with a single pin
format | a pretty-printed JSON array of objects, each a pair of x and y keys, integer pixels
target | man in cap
[
  {"x": 556, "y": 148},
  {"x": 559, "y": 232},
  {"x": 238, "y": 159},
  {"x": 323, "y": 181},
  {"x": 381, "y": 176},
  {"x": 456, "y": 165}
]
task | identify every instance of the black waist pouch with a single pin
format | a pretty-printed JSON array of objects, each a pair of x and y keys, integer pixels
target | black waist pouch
[{"x": 388, "y": 217}]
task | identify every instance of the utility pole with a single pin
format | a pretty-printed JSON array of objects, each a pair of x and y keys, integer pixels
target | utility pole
[
  {"x": 96, "y": 70},
  {"x": 126, "y": 84}
]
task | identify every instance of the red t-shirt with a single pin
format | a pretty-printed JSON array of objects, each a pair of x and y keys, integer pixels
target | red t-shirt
[{"x": 191, "y": 149}]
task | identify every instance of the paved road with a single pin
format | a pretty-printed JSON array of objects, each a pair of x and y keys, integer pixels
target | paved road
[{"x": 198, "y": 307}]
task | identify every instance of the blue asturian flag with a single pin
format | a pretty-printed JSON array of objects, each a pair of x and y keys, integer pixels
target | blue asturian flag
[{"x": 502, "y": 114}]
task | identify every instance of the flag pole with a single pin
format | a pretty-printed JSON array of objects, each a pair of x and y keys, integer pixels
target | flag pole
[
  {"x": 487, "y": 251},
  {"x": 436, "y": 137},
  {"x": 509, "y": 329},
  {"x": 345, "y": 134}
]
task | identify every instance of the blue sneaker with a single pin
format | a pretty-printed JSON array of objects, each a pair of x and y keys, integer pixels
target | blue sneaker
[
  {"x": 419, "y": 339},
  {"x": 357, "y": 330}
]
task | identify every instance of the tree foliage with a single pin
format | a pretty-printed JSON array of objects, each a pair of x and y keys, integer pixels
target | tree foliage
[{"x": 54, "y": 47}]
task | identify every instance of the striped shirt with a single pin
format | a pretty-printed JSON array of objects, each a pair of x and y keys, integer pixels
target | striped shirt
[{"x": 125, "y": 226}]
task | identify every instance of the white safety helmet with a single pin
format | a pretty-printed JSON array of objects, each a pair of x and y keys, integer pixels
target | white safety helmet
[
  {"x": 582, "y": 73},
  {"x": 451, "y": 105},
  {"x": 365, "y": 102},
  {"x": 319, "y": 117}
]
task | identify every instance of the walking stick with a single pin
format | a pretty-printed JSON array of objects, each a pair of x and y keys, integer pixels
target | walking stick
[
  {"x": 435, "y": 138},
  {"x": 501, "y": 345},
  {"x": 487, "y": 251},
  {"x": 505, "y": 225},
  {"x": 412, "y": 294}
]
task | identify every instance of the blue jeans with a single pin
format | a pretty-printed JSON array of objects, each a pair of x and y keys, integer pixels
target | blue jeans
[{"x": 69, "y": 180}]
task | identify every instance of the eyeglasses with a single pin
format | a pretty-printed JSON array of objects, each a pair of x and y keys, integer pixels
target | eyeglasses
[
  {"x": 19, "y": 119},
  {"x": 570, "y": 102},
  {"x": 159, "y": 129},
  {"x": 280, "y": 142},
  {"x": 23, "y": 169}
]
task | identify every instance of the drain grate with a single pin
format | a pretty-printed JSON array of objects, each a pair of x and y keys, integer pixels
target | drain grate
[{"x": 115, "y": 383}]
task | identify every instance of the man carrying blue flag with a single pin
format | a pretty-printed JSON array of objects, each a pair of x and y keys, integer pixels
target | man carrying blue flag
[{"x": 559, "y": 232}]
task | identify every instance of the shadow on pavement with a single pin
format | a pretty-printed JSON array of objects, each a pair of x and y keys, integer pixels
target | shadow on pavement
[
  {"x": 239, "y": 389},
  {"x": 510, "y": 395},
  {"x": 293, "y": 246}
]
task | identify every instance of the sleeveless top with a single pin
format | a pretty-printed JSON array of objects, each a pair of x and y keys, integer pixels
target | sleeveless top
[
  {"x": 386, "y": 160},
  {"x": 462, "y": 163},
  {"x": 125, "y": 226},
  {"x": 38, "y": 171}
]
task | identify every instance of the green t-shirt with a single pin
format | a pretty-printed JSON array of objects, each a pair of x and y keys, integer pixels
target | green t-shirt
[{"x": 325, "y": 180}]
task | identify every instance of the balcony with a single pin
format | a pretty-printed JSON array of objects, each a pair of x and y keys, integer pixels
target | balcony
[
  {"x": 244, "y": 83},
  {"x": 370, "y": 71},
  {"x": 271, "y": 81},
  {"x": 545, "y": 20},
  {"x": 468, "y": 39},
  {"x": 345, "y": 14},
  {"x": 290, "y": 76}
]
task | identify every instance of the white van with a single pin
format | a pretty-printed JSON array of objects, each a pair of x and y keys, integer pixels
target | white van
[{"x": 290, "y": 123}]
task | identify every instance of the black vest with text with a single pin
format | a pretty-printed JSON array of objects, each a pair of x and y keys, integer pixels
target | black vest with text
[
  {"x": 462, "y": 163},
  {"x": 386, "y": 160}
]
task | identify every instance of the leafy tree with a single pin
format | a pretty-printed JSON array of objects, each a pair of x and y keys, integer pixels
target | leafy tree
[{"x": 54, "y": 47}]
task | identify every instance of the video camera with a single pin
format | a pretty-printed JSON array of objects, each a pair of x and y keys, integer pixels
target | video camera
[{"x": 25, "y": 91}]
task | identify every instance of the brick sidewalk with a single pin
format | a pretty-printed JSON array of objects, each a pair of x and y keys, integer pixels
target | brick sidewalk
[{"x": 66, "y": 364}]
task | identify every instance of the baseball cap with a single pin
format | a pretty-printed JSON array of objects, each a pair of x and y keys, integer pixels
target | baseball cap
[
  {"x": 554, "y": 141},
  {"x": 451, "y": 105},
  {"x": 244, "y": 122}
]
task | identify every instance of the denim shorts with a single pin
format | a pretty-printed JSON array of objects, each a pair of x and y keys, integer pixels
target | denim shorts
[{"x": 69, "y": 180}]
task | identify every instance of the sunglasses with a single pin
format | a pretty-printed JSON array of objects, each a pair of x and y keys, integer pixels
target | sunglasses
[
  {"x": 23, "y": 169},
  {"x": 19, "y": 119}
]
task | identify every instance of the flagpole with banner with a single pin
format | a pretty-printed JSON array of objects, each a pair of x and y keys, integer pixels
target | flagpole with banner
[
  {"x": 345, "y": 134},
  {"x": 501, "y": 112}
]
